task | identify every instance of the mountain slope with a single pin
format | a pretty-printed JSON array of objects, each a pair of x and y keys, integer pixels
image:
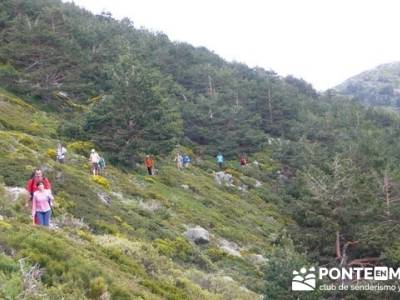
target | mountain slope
[
  {"x": 322, "y": 187},
  {"x": 378, "y": 87},
  {"x": 127, "y": 225}
]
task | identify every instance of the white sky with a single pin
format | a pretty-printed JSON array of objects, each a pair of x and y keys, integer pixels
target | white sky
[{"x": 321, "y": 41}]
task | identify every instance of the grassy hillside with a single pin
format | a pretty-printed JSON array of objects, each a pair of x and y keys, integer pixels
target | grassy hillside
[{"x": 122, "y": 234}]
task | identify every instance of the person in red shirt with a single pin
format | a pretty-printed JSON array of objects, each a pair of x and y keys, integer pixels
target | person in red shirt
[
  {"x": 149, "y": 164},
  {"x": 31, "y": 185},
  {"x": 243, "y": 160}
]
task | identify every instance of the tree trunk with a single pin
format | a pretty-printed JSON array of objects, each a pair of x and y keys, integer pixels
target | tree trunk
[
  {"x": 386, "y": 191},
  {"x": 270, "y": 106},
  {"x": 210, "y": 86},
  {"x": 338, "y": 252}
]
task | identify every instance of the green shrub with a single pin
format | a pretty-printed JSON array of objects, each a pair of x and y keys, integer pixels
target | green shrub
[
  {"x": 159, "y": 197},
  {"x": 7, "y": 265},
  {"x": 234, "y": 173},
  {"x": 81, "y": 147},
  {"x": 51, "y": 153},
  {"x": 101, "y": 181},
  {"x": 122, "y": 223},
  {"x": 97, "y": 288},
  {"x": 149, "y": 179},
  {"x": 104, "y": 227},
  {"x": 121, "y": 293},
  {"x": 216, "y": 254},
  {"x": 118, "y": 219},
  {"x": 164, "y": 247},
  {"x": 85, "y": 235},
  {"x": 164, "y": 289},
  {"x": 5, "y": 225},
  {"x": 15, "y": 172},
  {"x": 182, "y": 150},
  {"x": 178, "y": 248},
  {"x": 26, "y": 140},
  {"x": 10, "y": 287},
  {"x": 63, "y": 202},
  {"x": 8, "y": 76}
]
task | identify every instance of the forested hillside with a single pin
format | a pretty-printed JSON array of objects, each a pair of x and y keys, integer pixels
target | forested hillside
[
  {"x": 64, "y": 59},
  {"x": 322, "y": 186}
]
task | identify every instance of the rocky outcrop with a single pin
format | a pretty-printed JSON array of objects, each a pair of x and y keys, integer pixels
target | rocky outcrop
[
  {"x": 150, "y": 206},
  {"x": 229, "y": 247},
  {"x": 197, "y": 235},
  {"x": 223, "y": 178},
  {"x": 104, "y": 198},
  {"x": 258, "y": 259},
  {"x": 185, "y": 187},
  {"x": 14, "y": 193}
]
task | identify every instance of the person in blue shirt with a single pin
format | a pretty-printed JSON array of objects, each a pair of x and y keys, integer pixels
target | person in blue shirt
[
  {"x": 220, "y": 160},
  {"x": 186, "y": 160}
]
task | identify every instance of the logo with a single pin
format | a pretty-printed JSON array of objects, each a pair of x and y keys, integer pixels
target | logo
[
  {"x": 342, "y": 279},
  {"x": 303, "y": 280}
]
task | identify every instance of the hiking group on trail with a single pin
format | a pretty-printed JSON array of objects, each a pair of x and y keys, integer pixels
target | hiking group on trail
[
  {"x": 39, "y": 188},
  {"x": 185, "y": 160},
  {"x": 98, "y": 163},
  {"x": 40, "y": 198},
  {"x": 182, "y": 161}
]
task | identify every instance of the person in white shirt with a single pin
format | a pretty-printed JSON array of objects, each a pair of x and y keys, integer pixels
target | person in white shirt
[
  {"x": 179, "y": 161},
  {"x": 61, "y": 151},
  {"x": 94, "y": 160}
]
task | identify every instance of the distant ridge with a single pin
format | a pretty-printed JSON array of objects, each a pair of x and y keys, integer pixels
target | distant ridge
[{"x": 378, "y": 87}]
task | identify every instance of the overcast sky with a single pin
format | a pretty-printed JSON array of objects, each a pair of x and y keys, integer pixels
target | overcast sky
[{"x": 321, "y": 41}]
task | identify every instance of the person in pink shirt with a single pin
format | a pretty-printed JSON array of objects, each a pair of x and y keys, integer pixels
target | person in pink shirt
[{"x": 42, "y": 201}]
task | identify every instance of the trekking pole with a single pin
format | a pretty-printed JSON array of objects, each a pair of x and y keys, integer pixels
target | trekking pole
[{"x": 51, "y": 208}]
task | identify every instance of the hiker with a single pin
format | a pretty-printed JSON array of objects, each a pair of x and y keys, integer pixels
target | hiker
[
  {"x": 220, "y": 160},
  {"x": 42, "y": 201},
  {"x": 94, "y": 160},
  {"x": 243, "y": 160},
  {"x": 186, "y": 160},
  {"x": 31, "y": 185},
  {"x": 149, "y": 164},
  {"x": 179, "y": 161},
  {"x": 61, "y": 151},
  {"x": 102, "y": 164}
]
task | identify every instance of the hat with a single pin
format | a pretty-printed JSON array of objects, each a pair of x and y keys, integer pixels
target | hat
[{"x": 93, "y": 150}]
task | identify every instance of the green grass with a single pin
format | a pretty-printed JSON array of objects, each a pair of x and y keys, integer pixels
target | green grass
[{"x": 15, "y": 114}]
